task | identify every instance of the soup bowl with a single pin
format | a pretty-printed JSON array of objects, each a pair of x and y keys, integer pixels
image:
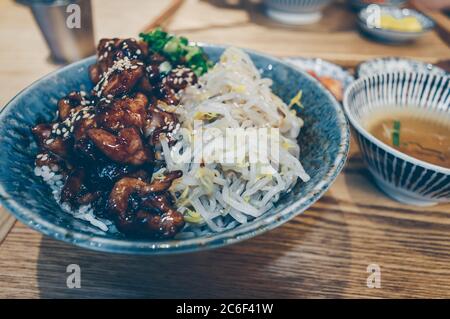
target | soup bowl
[{"x": 402, "y": 177}]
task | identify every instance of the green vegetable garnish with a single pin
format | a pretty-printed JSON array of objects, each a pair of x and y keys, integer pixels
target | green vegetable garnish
[
  {"x": 396, "y": 134},
  {"x": 177, "y": 50}
]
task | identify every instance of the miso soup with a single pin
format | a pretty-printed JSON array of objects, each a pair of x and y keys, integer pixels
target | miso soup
[{"x": 423, "y": 136}]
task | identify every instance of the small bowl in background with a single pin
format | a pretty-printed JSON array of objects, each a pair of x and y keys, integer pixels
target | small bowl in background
[
  {"x": 367, "y": 16},
  {"x": 400, "y": 176},
  {"x": 295, "y": 12},
  {"x": 395, "y": 64},
  {"x": 325, "y": 71}
]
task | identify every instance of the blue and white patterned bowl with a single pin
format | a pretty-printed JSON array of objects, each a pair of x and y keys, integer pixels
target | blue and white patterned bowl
[
  {"x": 324, "y": 143},
  {"x": 400, "y": 176},
  {"x": 296, "y": 12},
  {"x": 395, "y": 64},
  {"x": 392, "y": 36}
]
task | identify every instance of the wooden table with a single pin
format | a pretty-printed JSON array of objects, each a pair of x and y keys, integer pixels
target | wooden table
[{"x": 324, "y": 252}]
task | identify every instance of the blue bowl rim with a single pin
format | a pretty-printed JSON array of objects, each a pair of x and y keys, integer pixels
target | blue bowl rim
[
  {"x": 361, "y": 130},
  {"x": 146, "y": 247}
]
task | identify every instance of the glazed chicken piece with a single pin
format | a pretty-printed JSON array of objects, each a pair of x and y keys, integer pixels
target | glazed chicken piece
[
  {"x": 122, "y": 113},
  {"x": 121, "y": 80},
  {"x": 177, "y": 79},
  {"x": 149, "y": 84},
  {"x": 53, "y": 161},
  {"x": 119, "y": 66},
  {"x": 86, "y": 152},
  {"x": 111, "y": 50},
  {"x": 47, "y": 140},
  {"x": 160, "y": 122},
  {"x": 103, "y": 175},
  {"x": 144, "y": 209},
  {"x": 75, "y": 191},
  {"x": 71, "y": 101},
  {"x": 81, "y": 126},
  {"x": 126, "y": 148},
  {"x": 169, "y": 223}
]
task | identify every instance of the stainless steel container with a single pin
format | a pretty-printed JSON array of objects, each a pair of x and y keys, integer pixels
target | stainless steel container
[{"x": 66, "y": 26}]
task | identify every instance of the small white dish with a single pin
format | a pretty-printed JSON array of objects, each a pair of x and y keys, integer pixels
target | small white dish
[
  {"x": 323, "y": 68},
  {"x": 368, "y": 16},
  {"x": 295, "y": 12}
]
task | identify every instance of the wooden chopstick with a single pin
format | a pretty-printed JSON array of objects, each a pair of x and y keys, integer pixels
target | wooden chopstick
[
  {"x": 442, "y": 21},
  {"x": 7, "y": 221},
  {"x": 164, "y": 17}
]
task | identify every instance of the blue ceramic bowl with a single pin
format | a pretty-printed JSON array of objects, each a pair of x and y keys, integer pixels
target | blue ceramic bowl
[
  {"x": 324, "y": 141},
  {"x": 400, "y": 176}
]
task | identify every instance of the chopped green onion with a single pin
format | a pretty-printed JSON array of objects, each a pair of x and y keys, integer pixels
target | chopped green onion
[
  {"x": 396, "y": 134},
  {"x": 177, "y": 50}
]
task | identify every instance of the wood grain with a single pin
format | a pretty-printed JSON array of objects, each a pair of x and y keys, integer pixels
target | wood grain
[
  {"x": 321, "y": 253},
  {"x": 164, "y": 17},
  {"x": 335, "y": 37},
  {"x": 6, "y": 223}
]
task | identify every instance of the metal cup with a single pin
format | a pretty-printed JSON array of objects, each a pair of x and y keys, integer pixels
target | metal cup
[{"x": 66, "y": 26}]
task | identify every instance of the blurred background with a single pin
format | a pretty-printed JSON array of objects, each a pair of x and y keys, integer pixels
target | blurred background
[{"x": 324, "y": 29}]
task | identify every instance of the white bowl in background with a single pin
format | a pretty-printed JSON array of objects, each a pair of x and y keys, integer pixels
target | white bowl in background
[{"x": 295, "y": 12}]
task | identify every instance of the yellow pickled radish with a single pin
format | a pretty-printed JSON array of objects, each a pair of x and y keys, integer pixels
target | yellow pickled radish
[{"x": 405, "y": 24}]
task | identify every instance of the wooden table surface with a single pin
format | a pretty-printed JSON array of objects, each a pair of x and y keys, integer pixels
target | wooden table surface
[{"x": 324, "y": 252}]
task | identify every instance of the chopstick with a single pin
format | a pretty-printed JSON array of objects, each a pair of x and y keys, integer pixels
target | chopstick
[
  {"x": 164, "y": 17},
  {"x": 442, "y": 21},
  {"x": 7, "y": 221}
]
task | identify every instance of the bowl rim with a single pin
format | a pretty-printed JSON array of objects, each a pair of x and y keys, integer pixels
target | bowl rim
[
  {"x": 361, "y": 130},
  {"x": 172, "y": 246},
  {"x": 426, "y": 28},
  {"x": 395, "y": 59}
]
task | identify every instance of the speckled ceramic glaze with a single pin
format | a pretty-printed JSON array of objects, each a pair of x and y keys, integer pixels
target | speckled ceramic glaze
[
  {"x": 401, "y": 176},
  {"x": 324, "y": 143},
  {"x": 295, "y": 12}
]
